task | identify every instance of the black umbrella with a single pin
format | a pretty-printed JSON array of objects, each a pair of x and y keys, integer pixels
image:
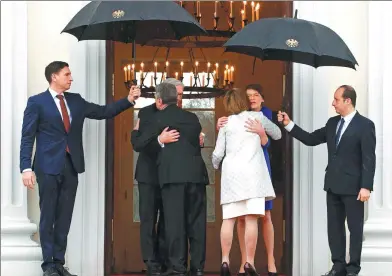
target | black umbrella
[
  {"x": 133, "y": 21},
  {"x": 292, "y": 39}
]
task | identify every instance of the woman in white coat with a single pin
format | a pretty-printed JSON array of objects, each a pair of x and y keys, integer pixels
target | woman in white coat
[{"x": 245, "y": 181}]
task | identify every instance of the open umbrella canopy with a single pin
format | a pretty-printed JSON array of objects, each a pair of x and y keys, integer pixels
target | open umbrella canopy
[
  {"x": 128, "y": 21},
  {"x": 291, "y": 39}
]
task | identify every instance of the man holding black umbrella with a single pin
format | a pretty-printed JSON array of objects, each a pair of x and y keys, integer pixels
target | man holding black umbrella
[
  {"x": 54, "y": 120},
  {"x": 351, "y": 142}
]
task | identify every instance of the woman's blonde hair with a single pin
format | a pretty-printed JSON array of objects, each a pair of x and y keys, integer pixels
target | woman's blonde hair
[{"x": 234, "y": 102}]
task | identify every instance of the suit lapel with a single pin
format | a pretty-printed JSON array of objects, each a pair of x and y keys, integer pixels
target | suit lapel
[
  {"x": 350, "y": 129},
  {"x": 52, "y": 108}
]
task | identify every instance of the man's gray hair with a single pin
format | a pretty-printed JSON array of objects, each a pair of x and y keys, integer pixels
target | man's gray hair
[
  {"x": 167, "y": 92},
  {"x": 173, "y": 81}
]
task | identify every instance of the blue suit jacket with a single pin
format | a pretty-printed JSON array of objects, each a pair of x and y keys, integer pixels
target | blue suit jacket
[{"x": 42, "y": 121}]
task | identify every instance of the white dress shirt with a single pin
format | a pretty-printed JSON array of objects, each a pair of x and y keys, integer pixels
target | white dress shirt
[
  {"x": 347, "y": 120},
  {"x": 57, "y": 102}
]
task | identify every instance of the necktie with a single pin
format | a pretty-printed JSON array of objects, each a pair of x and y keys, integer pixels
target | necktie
[
  {"x": 337, "y": 137},
  {"x": 65, "y": 115}
]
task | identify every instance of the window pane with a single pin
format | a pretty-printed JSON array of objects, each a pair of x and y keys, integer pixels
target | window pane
[
  {"x": 198, "y": 103},
  {"x": 210, "y": 189},
  {"x": 207, "y": 121},
  {"x": 136, "y": 217},
  {"x": 206, "y": 154},
  {"x": 142, "y": 102}
]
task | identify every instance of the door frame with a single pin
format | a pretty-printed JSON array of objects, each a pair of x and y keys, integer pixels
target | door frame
[{"x": 287, "y": 261}]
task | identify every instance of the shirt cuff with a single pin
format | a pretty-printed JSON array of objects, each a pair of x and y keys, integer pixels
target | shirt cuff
[
  {"x": 290, "y": 126},
  {"x": 27, "y": 170},
  {"x": 161, "y": 144}
]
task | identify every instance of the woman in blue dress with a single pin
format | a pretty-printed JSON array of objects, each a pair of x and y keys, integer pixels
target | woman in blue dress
[{"x": 256, "y": 100}]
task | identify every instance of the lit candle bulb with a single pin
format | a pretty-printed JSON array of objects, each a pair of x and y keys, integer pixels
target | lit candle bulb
[
  {"x": 182, "y": 68},
  {"x": 243, "y": 18},
  {"x": 125, "y": 73},
  {"x": 133, "y": 72},
  {"x": 155, "y": 70},
  {"x": 167, "y": 68},
  {"x": 228, "y": 75},
  {"x": 225, "y": 74},
  {"x": 208, "y": 67},
  {"x": 216, "y": 12},
  {"x": 257, "y": 11},
  {"x": 232, "y": 74},
  {"x": 176, "y": 75},
  {"x": 142, "y": 67},
  {"x": 129, "y": 72},
  {"x": 244, "y": 9},
  {"x": 231, "y": 9},
  {"x": 253, "y": 11},
  {"x": 196, "y": 65}
]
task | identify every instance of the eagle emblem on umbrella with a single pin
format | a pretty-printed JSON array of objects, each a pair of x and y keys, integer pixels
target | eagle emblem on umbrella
[
  {"x": 292, "y": 43},
  {"x": 118, "y": 14}
]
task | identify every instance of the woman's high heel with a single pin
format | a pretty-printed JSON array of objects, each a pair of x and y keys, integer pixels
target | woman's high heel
[
  {"x": 225, "y": 269},
  {"x": 250, "y": 270}
]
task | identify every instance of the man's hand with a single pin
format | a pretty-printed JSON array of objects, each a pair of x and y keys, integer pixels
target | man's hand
[
  {"x": 28, "y": 179},
  {"x": 364, "y": 195},
  {"x": 201, "y": 139},
  {"x": 134, "y": 93},
  {"x": 222, "y": 121},
  {"x": 283, "y": 118},
  {"x": 167, "y": 136},
  {"x": 137, "y": 125}
]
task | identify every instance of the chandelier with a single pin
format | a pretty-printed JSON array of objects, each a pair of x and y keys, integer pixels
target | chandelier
[{"x": 206, "y": 78}]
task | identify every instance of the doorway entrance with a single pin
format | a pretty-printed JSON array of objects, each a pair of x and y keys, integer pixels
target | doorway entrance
[{"x": 122, "y": 236}]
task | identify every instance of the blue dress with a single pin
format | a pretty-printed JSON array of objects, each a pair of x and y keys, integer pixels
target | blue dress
[{"x": 267, "y": 113}]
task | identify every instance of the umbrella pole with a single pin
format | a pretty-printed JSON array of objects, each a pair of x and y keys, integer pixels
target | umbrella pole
[{"x": 134, "y": 60}]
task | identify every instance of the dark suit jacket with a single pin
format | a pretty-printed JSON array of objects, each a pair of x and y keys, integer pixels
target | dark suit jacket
[
  {"x": 146, "y": 166},
  {"x": 179, "y": 162},
  {"x": 351, "y": 166},
  {"x": 42, "y": 121}
]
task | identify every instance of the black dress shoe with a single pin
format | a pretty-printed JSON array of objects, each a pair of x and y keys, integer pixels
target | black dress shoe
[
  {"x": 225, "y": 269},
  {"x": 197, "y": 272},
  {"x": 51, "y": 272},
  {"x": 154, "y": 270},
  {"x": 173, "y": 272},
  {"x": 63, "y": 271},
  {"x": 333, "y": 272},
  {"x": 250, "y": 270}
]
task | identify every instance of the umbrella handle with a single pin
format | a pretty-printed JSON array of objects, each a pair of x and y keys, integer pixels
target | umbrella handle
[{"x": 296, "y": 13}]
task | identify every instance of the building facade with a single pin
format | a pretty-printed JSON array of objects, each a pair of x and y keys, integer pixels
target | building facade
[{"x": 30, "y": 39}]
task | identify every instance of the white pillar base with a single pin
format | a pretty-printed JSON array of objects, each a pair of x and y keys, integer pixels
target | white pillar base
[
  {"x": 20, "y": 255},
  {"x": 377, "y": 249}
]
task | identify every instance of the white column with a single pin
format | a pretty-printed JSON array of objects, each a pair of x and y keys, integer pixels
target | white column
[
  {"x": 85, "y": 253},
  {"x": 377, "y": 246},
  {"x": 20, "y": 255},
  {"x": 313, "y": 95}
]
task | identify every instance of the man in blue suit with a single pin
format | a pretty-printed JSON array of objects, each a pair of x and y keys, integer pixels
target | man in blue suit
[{"x": 55, "y": 119}]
